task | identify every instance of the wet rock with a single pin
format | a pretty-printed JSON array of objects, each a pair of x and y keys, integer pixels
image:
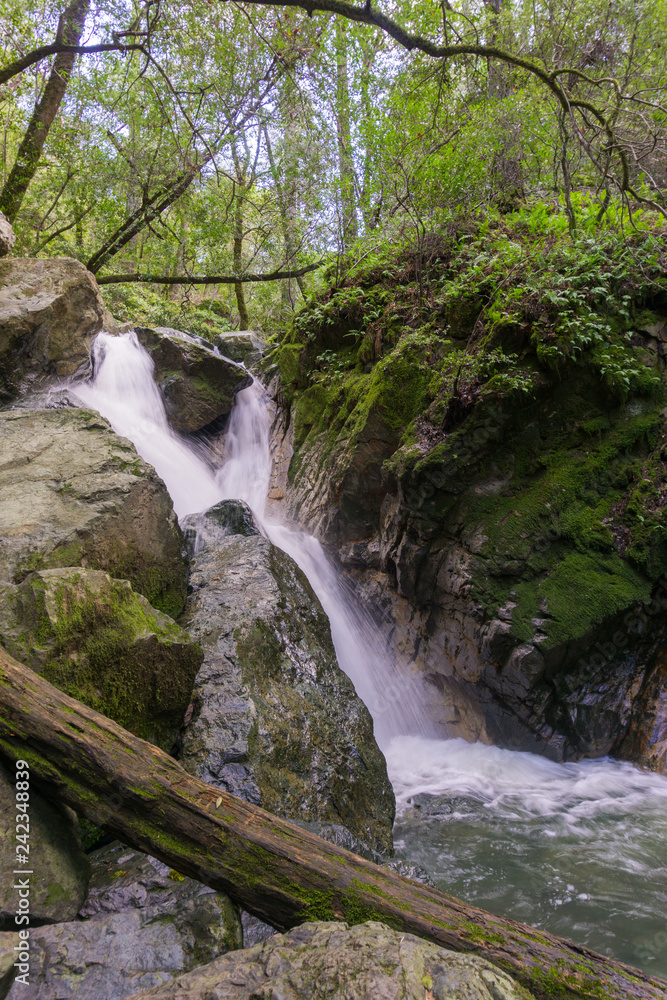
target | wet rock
[
  {"x": 60, "y": 870},
  {"x": 646, "y": 739},
  {"x": 7, "y": 236},
  {"x": 255, "y": 930},
  {"x": 74, "y": 493},
  {"x": 96, "y": 639},
  {"x": 328, "y": 960},
  {"x": 8, "y": 942},
  {"x": 142, "y": 925},
  {"x": 275, "y": 720},
  {"x": 50, "y": 311},
  {"x": 519, "y": 598},
  {"x": 197, "y": 385},
  {"x": 244, "y": 346}
]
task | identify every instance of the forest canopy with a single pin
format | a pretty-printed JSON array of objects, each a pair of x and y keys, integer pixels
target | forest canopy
[{"x": 255, "y": 140}]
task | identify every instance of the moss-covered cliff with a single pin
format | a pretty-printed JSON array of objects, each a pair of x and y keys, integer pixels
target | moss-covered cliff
[{"x": 483, "y": 420}]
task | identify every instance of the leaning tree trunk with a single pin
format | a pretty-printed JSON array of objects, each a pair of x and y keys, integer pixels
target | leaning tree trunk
[
  {"x": 272, "y": 868},
  {"x": 70, "y": 30},
  {"x": 344, "y": 133}
]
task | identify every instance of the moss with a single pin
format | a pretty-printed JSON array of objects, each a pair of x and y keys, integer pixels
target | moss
[
  {"x": 209, "y": 391},
  {"x": 55, "y": 894},
  {"x": 603, "y": 585},
  {"x": 89, "y": 833},
  {"x": 102, "y": 644},
  {"x": 287, "y": 359}
]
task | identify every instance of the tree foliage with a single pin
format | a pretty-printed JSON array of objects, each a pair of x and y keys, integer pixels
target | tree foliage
[{"x": 235, "y": 139}]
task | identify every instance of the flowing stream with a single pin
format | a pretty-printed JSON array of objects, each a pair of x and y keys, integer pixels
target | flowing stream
[{"x": 578, "y": 849}]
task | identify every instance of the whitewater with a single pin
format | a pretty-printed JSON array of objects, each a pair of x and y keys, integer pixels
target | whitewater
[{"x": 577, "y": 848}]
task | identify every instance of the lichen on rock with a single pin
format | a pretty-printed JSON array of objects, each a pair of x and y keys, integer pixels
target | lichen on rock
[{"x": 326, "y": 961}]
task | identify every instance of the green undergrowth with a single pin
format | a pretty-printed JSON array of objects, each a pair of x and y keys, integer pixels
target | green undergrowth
[
  {"x": 514, "y": 381},
  {"x": 142, "y": 305}
]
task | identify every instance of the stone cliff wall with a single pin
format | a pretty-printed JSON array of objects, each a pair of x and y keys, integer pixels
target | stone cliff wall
[{"x": 498, "y": 486}]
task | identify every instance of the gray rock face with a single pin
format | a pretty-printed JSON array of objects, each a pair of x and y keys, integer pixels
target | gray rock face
[
  {"x": 275, "y": 719},
  {"x": 74, "y": 493},
  {"x": 98, "y": 641},
  {"x": 60, "y": 869},
  {"x": 244, "y": 346},
  {"x": 142, "y": 925},
  {"x": 328, "y": 960},
  {"x": 50, "y": 310},
  {"x": 7, "y": 236},
  {"x": 197, "y": 385}
]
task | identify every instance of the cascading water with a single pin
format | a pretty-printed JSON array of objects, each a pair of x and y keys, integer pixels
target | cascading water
[{"x": 580, "y": 849}]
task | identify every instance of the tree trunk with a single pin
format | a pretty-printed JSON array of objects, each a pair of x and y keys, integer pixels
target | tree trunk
[
  {"x": 345, "y": 162},
  {"x": 507, "y": 164},
  {"x": 147, "y": 213},
  {"x": 274, "y": 869},
  {"x": 291, "y": 142},
  {"x": 70, "y": 30},
  {"x": 288, "y": 236},
  {"x": 241, "y": 185}
]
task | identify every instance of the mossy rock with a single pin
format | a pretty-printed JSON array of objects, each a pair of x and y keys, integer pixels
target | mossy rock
[
  {"x": 60, "y": 871},
  {"x": 197, "y": 385},
  {"x": 503, "y": 453},
  {"x": 97, "y": 640}
]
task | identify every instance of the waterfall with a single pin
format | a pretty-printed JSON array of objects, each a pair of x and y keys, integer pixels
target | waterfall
[
  {"x": 580, "y": 848},
  {"x": 124, "y": 392}
]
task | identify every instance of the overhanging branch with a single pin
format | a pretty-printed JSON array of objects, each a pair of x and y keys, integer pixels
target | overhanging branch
[
  {"x": 209, "y": 279},
  {"x": 44, "y": 51}
]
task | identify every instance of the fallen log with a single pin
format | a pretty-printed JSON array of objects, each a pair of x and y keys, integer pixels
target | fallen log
[{"x": 274, "y": 869}]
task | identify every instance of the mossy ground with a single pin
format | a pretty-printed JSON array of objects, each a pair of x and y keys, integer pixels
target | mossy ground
[{"x": 520, "y": 389}]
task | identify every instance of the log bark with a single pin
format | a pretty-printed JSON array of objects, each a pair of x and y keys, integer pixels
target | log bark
[{"x": 274, "y": 869}]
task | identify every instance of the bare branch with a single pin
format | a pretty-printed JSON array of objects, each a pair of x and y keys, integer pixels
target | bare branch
[{"x": 210, "y": 279}]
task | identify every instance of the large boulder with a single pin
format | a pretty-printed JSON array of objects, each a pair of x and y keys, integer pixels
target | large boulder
[
  {"x": 142, "y": 925},
  {"x": 50, "y": 311},
  {"x": 197, "y": 385},
  {"x": 59, "y": 870},
  {"x": 101, "y": 643},
  {"x": 7, "y": 236},
  {"x": 74, "y": 493},
  {"x": 328, "y": 961},
  {"x": 244, "y": 346},
  {"x": 275, "y": 719}
]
